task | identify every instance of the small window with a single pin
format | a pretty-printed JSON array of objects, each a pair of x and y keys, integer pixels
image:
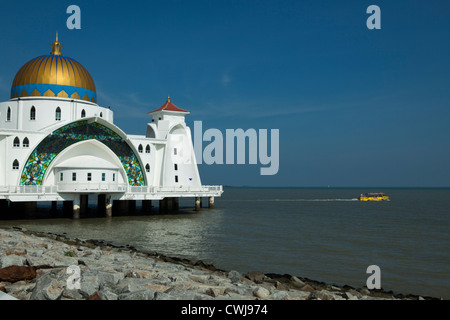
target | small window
[
  {"x": 83, "y": 113},
  {"x": 16, "y": 143},
  {"x": 15, "y": 165},
  {"x": 147, "y": 149},
  {"x": 74, "y": 176},
  {"x": 61, "y": 176},
  {"x": 176, "y": 167},
  {"x": 103, "y": 176},
  {"x": 101, "y": 114},
  {"x": 33, "y": 113},
  {"x": 114, "y": 177},
  {"x": 147, "y": 168},
  {"x": 8, "y": 114},
  {"x": 176, "y": 178},
  {"x": 140, "y": 149},
  {"x": 89, "y": 176},
  {"x": 175, "y": 151},
  {"x": 58, "y": 114},
  {"x": 26, "y": 143}
]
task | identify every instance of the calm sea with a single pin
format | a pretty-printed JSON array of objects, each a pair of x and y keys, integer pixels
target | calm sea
[{"x": 322, "y": 234}]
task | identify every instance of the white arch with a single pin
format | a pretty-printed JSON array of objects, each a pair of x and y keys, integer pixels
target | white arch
[{"x": 90, "y": 148}]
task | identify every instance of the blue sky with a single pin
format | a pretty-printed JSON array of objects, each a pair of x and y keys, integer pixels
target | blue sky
[{"x": 355, "y": 107}]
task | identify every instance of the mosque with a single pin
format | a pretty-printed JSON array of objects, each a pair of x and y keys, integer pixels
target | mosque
[{"x": 58, "y": 144}]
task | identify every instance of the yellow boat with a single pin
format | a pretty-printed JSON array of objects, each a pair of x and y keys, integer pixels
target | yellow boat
[{"x": 373, "y": 196}]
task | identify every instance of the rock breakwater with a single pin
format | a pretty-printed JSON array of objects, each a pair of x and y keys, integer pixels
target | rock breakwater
[{"x": 44, "y": 266}]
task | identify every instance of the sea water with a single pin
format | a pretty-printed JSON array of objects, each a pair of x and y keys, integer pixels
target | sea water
[{"x": 324, "y": 234}]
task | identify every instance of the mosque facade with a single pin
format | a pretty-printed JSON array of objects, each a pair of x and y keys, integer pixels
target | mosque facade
[{"x": 58, "y": 144}]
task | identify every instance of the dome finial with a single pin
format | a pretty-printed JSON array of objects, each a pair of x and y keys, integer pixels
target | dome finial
[
  {"x": 56, "y": 46},
  {"x": 168, "y": 98}
]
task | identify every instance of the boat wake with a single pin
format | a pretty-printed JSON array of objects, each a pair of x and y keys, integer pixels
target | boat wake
[{"x": 293, "y": 200}]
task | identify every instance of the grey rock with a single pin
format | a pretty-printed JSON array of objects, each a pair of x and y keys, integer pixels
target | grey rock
[
  {"x": 214, "y": 292},
  {"x": 234, "y": 276},
  {"x": 297, "y": 282},
  {"x": 352, "y": 295},
  {"x": 72, "y": 294},
  {"x": 48, "y": 287},
  {"x": 199, "y": 296},
  {"x": 107, "y": 277},
  {"x": 279, "y": 295},
  {"x": 261, "y": 293},
  {"x": 132, "y": 284},
  {"x": 146, "y": 294},
  {"x": 298, "y": 294},
  {"x": 89, "y": 284},
  {"x": 107, "y": 294},
  {"x": 349, "y": 296},
  {"x": 364, "y": 292},
  {"x": 20, "y": 290},
  {"x": 12, "y": 260},
  {"x": 320, "y": 295},
  {"x": 162, "y": 296}
]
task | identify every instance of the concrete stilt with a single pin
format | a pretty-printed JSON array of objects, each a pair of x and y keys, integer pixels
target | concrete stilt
[
  {"x": 146, "y": 206},
  {"x": 211, "y": 202},
  {"x": 131, "y": 206},
  {"x": 163, "y": 205},
  {"x": 76, "y": 207},
  {"x": 197, "y": 203},
  {"x": 101, "y": 200},
  {"x": 67, "y": 208},
  {"x": 4, "y": 206},
  {"x": 84, "y": 203},
  {"x": 169, "y": 204},
  {"x": 176, "y": 204},
  {"x": 54, "y": 210},
  {"x": 108, "y": 206}
]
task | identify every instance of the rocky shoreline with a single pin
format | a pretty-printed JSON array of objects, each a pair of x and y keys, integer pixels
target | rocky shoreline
[{"x": 45, "y": 266}]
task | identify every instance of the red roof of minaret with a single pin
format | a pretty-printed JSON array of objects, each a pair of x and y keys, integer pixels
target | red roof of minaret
[{"x": 169, "y": 106}]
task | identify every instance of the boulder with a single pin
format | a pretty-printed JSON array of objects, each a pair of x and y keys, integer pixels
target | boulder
[
  {"x": 307, "y": 288},
  {"x": 261, "y": 293},
  {"x": 17, "y": 273},
  {"x": 256, "y": 276},
  {"x": 234, "y": 276},
  {"x": 146, "y": 294},
  {"x": 48, "y": 287},
  {"x": 214, "y": 292},
  {"x": 12, "y": 260},
  {"x": 320, "y": 295},
  {"x": 296, "y": 282}
]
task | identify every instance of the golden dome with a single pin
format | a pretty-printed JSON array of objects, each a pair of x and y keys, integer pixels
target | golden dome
[{"x": 54, "y": 75}]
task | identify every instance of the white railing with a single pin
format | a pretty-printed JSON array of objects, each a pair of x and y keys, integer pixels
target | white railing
[
  {"x": 107, "y": 187},
  {"x": 113, "y": 187}
]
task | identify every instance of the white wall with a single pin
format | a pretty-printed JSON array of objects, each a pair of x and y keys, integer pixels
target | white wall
[
  {"x": 180, "y": 168},
  {"x": 45, "y": 115},
  {"x": 21, "y": 153}
]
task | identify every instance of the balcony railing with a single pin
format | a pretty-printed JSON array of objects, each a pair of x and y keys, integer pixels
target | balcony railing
[{"x": 106, "y": 188}]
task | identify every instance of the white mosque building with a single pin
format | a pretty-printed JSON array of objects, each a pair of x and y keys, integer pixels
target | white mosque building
[{"x": 58, "y": 144}]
